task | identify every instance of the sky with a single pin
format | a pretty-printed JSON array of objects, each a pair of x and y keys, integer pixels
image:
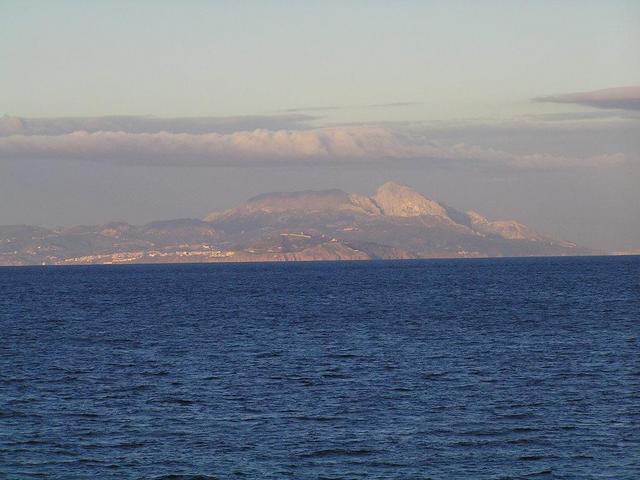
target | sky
[{"x": 140, "y": 111}]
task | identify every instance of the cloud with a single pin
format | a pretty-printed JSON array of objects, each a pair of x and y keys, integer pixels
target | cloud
[
  {"x": 352, "y": 107},
  {"x": 314, "y": 109},
  {"x": 591, "y": 116},
  {"x": 11, "y": 125},
  {"x": 393, "y": 105},
  {"x": 625, "y": 98},
  {"x": 320, "y": 146},
  {"x": 577, "y": 135}
]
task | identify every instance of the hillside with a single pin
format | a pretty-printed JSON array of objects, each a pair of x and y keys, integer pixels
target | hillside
[{"x": 395, "y": 223}]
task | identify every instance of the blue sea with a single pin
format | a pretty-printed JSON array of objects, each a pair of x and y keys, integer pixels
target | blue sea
[{"x": 442, "y": 369}]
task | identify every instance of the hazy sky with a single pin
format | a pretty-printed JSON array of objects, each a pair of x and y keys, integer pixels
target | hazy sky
[{"x": 515, "y": 109}]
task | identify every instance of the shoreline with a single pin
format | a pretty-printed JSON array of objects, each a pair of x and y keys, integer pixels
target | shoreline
[{"x": 315, "y": 261}]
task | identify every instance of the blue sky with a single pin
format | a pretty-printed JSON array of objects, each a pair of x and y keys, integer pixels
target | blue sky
[{"x": 524, "y": 110}]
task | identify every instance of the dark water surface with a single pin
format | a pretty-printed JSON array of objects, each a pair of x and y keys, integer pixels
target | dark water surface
[{"x": 473, "y": 369}]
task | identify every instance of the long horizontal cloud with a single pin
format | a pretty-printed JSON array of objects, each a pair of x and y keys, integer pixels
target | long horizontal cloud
[
  {"x": 271, "y": 147},
  {"x": 12, "y": 125},
  {"x": 351, "y": 107},
  {"x": 626, "y": 98}
]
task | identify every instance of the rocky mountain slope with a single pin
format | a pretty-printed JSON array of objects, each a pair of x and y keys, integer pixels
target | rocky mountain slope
[{"x": 395, "y": 223}]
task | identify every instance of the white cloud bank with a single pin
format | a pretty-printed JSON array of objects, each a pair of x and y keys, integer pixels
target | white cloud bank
[{"x": 319, "y": 146}]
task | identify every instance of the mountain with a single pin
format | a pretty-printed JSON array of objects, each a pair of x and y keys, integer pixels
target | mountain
[{"x": 395, "y": 223}]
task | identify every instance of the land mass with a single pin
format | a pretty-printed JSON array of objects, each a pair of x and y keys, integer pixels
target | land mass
[{"x": 395, "y": 223}]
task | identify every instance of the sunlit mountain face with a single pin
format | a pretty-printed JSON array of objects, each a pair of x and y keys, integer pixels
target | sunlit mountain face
[{"x": 395, "y": 223}]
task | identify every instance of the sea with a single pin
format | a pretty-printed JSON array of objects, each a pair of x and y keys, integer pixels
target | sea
[{"x": 429, "y": 369}]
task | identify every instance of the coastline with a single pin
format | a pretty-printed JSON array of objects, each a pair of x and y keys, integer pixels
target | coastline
[{"x": 317, "y": 261}]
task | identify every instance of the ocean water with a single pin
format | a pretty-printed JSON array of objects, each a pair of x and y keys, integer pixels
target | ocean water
[{"x": 461, "y": 369}]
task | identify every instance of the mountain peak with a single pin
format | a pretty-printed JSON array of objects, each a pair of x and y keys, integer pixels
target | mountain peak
[
  {"x": 397, "y": 222},
  {"x": 398, "y": 200},
  {"x": 302, "y": 202}
]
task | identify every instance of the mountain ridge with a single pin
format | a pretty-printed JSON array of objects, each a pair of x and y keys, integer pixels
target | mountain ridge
[{"x": 396, "y": 222}]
